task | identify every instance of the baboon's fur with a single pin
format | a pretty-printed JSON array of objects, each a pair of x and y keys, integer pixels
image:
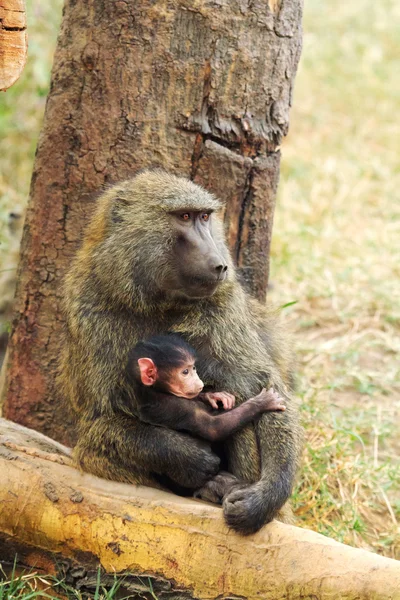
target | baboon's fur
[{"x": 112, "y": 299}]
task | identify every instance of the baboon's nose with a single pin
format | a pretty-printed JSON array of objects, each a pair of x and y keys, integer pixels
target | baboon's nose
[{"x": 221, "y": 268}]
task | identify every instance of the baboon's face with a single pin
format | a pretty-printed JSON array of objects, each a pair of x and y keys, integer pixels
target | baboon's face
[
  {"x": 164, "y": 234},
  {"x": 198, "y": 264}
]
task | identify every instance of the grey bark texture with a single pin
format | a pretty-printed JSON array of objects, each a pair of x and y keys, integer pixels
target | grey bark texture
[{"x": 201, "y": 88}]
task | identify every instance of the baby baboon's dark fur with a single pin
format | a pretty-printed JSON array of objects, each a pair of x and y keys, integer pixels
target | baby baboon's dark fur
[{"x": 114, "y": 296}]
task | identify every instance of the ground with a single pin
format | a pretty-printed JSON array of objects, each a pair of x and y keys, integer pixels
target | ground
[{"x": 335, "y": 253}]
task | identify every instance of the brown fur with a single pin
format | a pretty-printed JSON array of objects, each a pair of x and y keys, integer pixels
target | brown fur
[{"x": 113, "y": 299}]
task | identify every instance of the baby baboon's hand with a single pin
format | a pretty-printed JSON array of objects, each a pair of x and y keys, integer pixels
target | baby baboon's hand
[
  {"x": 228, "y": 401},
  {"x": 270, "y": 400}
]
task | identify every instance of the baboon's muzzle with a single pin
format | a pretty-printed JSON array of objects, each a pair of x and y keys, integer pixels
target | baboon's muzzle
[{"x": 202, "y": 266}]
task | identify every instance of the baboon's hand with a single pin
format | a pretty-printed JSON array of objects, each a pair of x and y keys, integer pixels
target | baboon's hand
[
  {"x": 270, "y": 400},
  {"x": 246, "y": 508},
  {"x": 228, "y": 400}
]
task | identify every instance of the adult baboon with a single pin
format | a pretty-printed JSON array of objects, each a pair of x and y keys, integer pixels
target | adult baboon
[{"x": 154, "y": 259}]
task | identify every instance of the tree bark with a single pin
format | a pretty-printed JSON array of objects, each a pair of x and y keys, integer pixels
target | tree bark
[
  {"x": 55, "y": 516},
  {"x": 201, "y": 88},
  {"x": 13, "y": 41}
]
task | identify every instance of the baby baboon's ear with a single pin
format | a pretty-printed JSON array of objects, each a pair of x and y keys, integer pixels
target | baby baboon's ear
[
  {"x": 118, "y": 209},
  {"x": 148, "y": 371}
]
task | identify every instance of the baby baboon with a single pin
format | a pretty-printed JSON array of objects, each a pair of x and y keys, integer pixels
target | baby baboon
[
  {"x": 154, "y": 259},
  {"x": 168, "y": 392}
]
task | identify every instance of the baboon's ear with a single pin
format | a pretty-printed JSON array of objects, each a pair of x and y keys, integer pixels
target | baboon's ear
[
  {"x": 118, "y": 209},
  {"x": 148, "y": 371}
]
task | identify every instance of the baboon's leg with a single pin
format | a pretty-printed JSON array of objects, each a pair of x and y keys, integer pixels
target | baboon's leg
[
  {"x": 104, "y": 467},
  {"x": 215, "y": 489},
  {"x": 125, "y": 449},
  {"x": 285, "y": 514},
  {"x": 243, "y": 455}
]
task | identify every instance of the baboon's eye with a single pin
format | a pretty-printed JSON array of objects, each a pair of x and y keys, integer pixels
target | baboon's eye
[
  {"x": 185, "y": 372},
  {"x": 185, "y": 217},
  {"x": 205, "y": 216}
]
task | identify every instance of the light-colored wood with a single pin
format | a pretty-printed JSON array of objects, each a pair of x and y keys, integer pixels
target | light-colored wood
[
  {"x": 13, "y": 41},
  {"x": 137, "y": 529}
]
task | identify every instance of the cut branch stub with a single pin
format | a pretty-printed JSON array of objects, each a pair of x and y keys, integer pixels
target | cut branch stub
[{"x": 13, "y": 41}]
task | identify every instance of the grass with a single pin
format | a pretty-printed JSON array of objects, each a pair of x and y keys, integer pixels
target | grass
[
  {"x": 335, "y": 253},
  {"x": 20, "y": 585}
]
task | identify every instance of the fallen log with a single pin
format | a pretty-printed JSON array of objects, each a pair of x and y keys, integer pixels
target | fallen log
[{"x": 52, "y": 509}]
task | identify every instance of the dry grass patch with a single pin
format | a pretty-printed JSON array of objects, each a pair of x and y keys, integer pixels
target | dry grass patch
[{"x": 336, "y": 251}]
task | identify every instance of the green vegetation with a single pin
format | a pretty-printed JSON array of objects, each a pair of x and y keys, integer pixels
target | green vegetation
[
  {"x": 335, "y": 254},
  {"x": 26, "y": 586}
]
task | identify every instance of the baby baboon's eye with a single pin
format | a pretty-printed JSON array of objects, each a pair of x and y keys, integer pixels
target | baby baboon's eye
[
  {"x": 185, "y": 217},
  {"x": 194, "y": 369},
  {"x": 205, "y": 216},
  {"x": 185, "y": 372}
]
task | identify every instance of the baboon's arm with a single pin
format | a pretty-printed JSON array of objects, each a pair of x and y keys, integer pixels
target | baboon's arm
[
  {"x": 278, "y": 438},
  {"x": 280, "y": 459},
  {"x": 193, "y": 417}
]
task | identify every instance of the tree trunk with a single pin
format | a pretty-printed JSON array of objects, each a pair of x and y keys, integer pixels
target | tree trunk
[
  {"x": 13, "y": 41},
  {"x": 201, "y": 88},
  {"x": 50, "y": 511}
]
